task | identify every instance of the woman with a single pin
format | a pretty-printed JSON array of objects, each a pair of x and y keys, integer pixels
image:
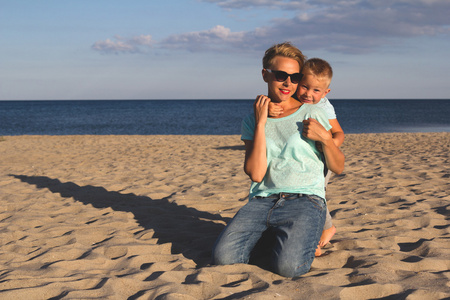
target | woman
[{"x": 287, "y": 194}]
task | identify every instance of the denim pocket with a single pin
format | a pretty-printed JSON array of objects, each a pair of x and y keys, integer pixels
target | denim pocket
[{"x": 317, "y": 201}]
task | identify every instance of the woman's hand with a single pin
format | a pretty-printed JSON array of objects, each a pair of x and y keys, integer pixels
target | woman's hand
[
  {"x": 261, "y": 107},
  {"x": 255, "y": 165}
]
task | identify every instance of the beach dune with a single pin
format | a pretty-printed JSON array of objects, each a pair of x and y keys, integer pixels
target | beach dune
[{"x": 135, "y": 217}]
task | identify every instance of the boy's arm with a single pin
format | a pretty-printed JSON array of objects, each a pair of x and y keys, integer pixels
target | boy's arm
[
  {"x": 337, "y": 132},
  {"x": 334, "y": 158}
]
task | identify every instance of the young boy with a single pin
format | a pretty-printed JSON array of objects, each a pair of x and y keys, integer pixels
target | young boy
[{"x": 312, "y": 89}]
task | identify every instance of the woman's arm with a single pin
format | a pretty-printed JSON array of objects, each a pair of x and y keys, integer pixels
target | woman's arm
[
  {"x": 255, "y": 165},
  {"x": 334, "y": 158}
]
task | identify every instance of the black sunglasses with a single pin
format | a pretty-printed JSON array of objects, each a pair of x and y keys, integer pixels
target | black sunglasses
[{"x": 283, "y": 76}]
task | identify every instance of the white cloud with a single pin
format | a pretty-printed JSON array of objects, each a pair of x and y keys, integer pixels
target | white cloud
[
  {"x": 134, "y": 44},
  {"x": 346, "y": 26},
  {"x": 218, "y": 38},
  {"x": 142, "y": 40},
  {"x": 279, "y": 4},
  {"x": 353, "y": 26}
]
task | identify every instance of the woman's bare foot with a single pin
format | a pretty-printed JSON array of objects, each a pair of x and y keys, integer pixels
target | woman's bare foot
[
  {"x": 318, "y": 251},
  {"x": 327, "y": 234}
]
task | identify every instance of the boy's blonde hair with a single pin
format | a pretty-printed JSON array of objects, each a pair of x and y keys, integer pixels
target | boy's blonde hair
[
  {"x": 318, "y": 68},
  {"x": 285, "y": 49}
]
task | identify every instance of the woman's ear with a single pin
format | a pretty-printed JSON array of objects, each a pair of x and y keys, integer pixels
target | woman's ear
[{"x": 265, "y": 75}]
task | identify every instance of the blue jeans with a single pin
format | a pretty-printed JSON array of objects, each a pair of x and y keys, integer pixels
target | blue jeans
[{"x": 297, "y": 221}]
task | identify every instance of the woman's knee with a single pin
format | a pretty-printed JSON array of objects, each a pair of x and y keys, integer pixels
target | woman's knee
[
  {"x": 222, "y": 256},
  {"x": 288, "y": 268},
  {"x": 295, "y": 258}
]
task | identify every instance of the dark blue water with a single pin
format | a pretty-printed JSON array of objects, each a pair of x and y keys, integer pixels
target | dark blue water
[{"x": 217, "y": 117}]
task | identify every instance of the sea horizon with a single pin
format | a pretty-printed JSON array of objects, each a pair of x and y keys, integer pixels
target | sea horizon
[
  {"x": 202, "y": 116},
  {"x": 221, "y": 99}
]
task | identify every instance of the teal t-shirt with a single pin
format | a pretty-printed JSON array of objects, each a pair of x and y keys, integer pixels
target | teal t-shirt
[
  {"x": 325, "y": 104},
  {"x": 294, "y": 163}
]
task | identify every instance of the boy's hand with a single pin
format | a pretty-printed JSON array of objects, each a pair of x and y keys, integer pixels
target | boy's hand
[
  {"x": 275, "y": 109},
  {"x": 313, "y": 130}
]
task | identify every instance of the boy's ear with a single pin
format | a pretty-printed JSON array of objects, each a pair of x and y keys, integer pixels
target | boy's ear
[
  {"x": 264, "y": 75},
  {"x": 326, "y": 92}
]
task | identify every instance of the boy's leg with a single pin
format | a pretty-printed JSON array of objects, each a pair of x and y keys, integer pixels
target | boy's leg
[
  {"x": 298, "y": 225},
  {"x": 237, "y": 240},
  {"x": 328, "y": 229},
  {"x": 328, "y": 222},
  {"x": 326, "y": 236},
  {"x": 327, "y": 177}
]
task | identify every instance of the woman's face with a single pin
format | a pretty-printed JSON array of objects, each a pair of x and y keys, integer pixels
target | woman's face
[{"x": 281, "y": 91}]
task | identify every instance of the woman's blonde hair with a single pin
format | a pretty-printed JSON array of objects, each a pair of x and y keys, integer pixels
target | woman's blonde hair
[{"x": 285, "y": 49}]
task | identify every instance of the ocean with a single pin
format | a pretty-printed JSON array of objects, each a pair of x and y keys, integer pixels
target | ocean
[{"x": 211, "y": 117}]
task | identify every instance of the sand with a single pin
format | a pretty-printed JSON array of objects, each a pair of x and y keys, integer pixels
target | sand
[{"x": 135, "y": 217}]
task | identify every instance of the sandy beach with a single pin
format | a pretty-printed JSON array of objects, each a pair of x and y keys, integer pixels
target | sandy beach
[{"x": 135, "y": 217}]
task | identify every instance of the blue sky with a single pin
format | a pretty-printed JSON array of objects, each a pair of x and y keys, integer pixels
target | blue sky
[{"x": 212, "y": 49}]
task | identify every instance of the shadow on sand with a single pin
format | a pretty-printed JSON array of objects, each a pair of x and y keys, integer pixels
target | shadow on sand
[{"x": 191, "y": 232}]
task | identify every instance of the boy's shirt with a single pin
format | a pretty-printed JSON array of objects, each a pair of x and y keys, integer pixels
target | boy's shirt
[{"x": 325, "y": 104}]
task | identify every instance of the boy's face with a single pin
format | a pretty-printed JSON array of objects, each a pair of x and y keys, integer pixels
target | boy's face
[
  {"x": 311, "y": 90},
  {"x": 281, "y": 90}
]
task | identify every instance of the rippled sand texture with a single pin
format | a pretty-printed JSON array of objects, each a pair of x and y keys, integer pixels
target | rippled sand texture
[{"x": 135, "y": 217}]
